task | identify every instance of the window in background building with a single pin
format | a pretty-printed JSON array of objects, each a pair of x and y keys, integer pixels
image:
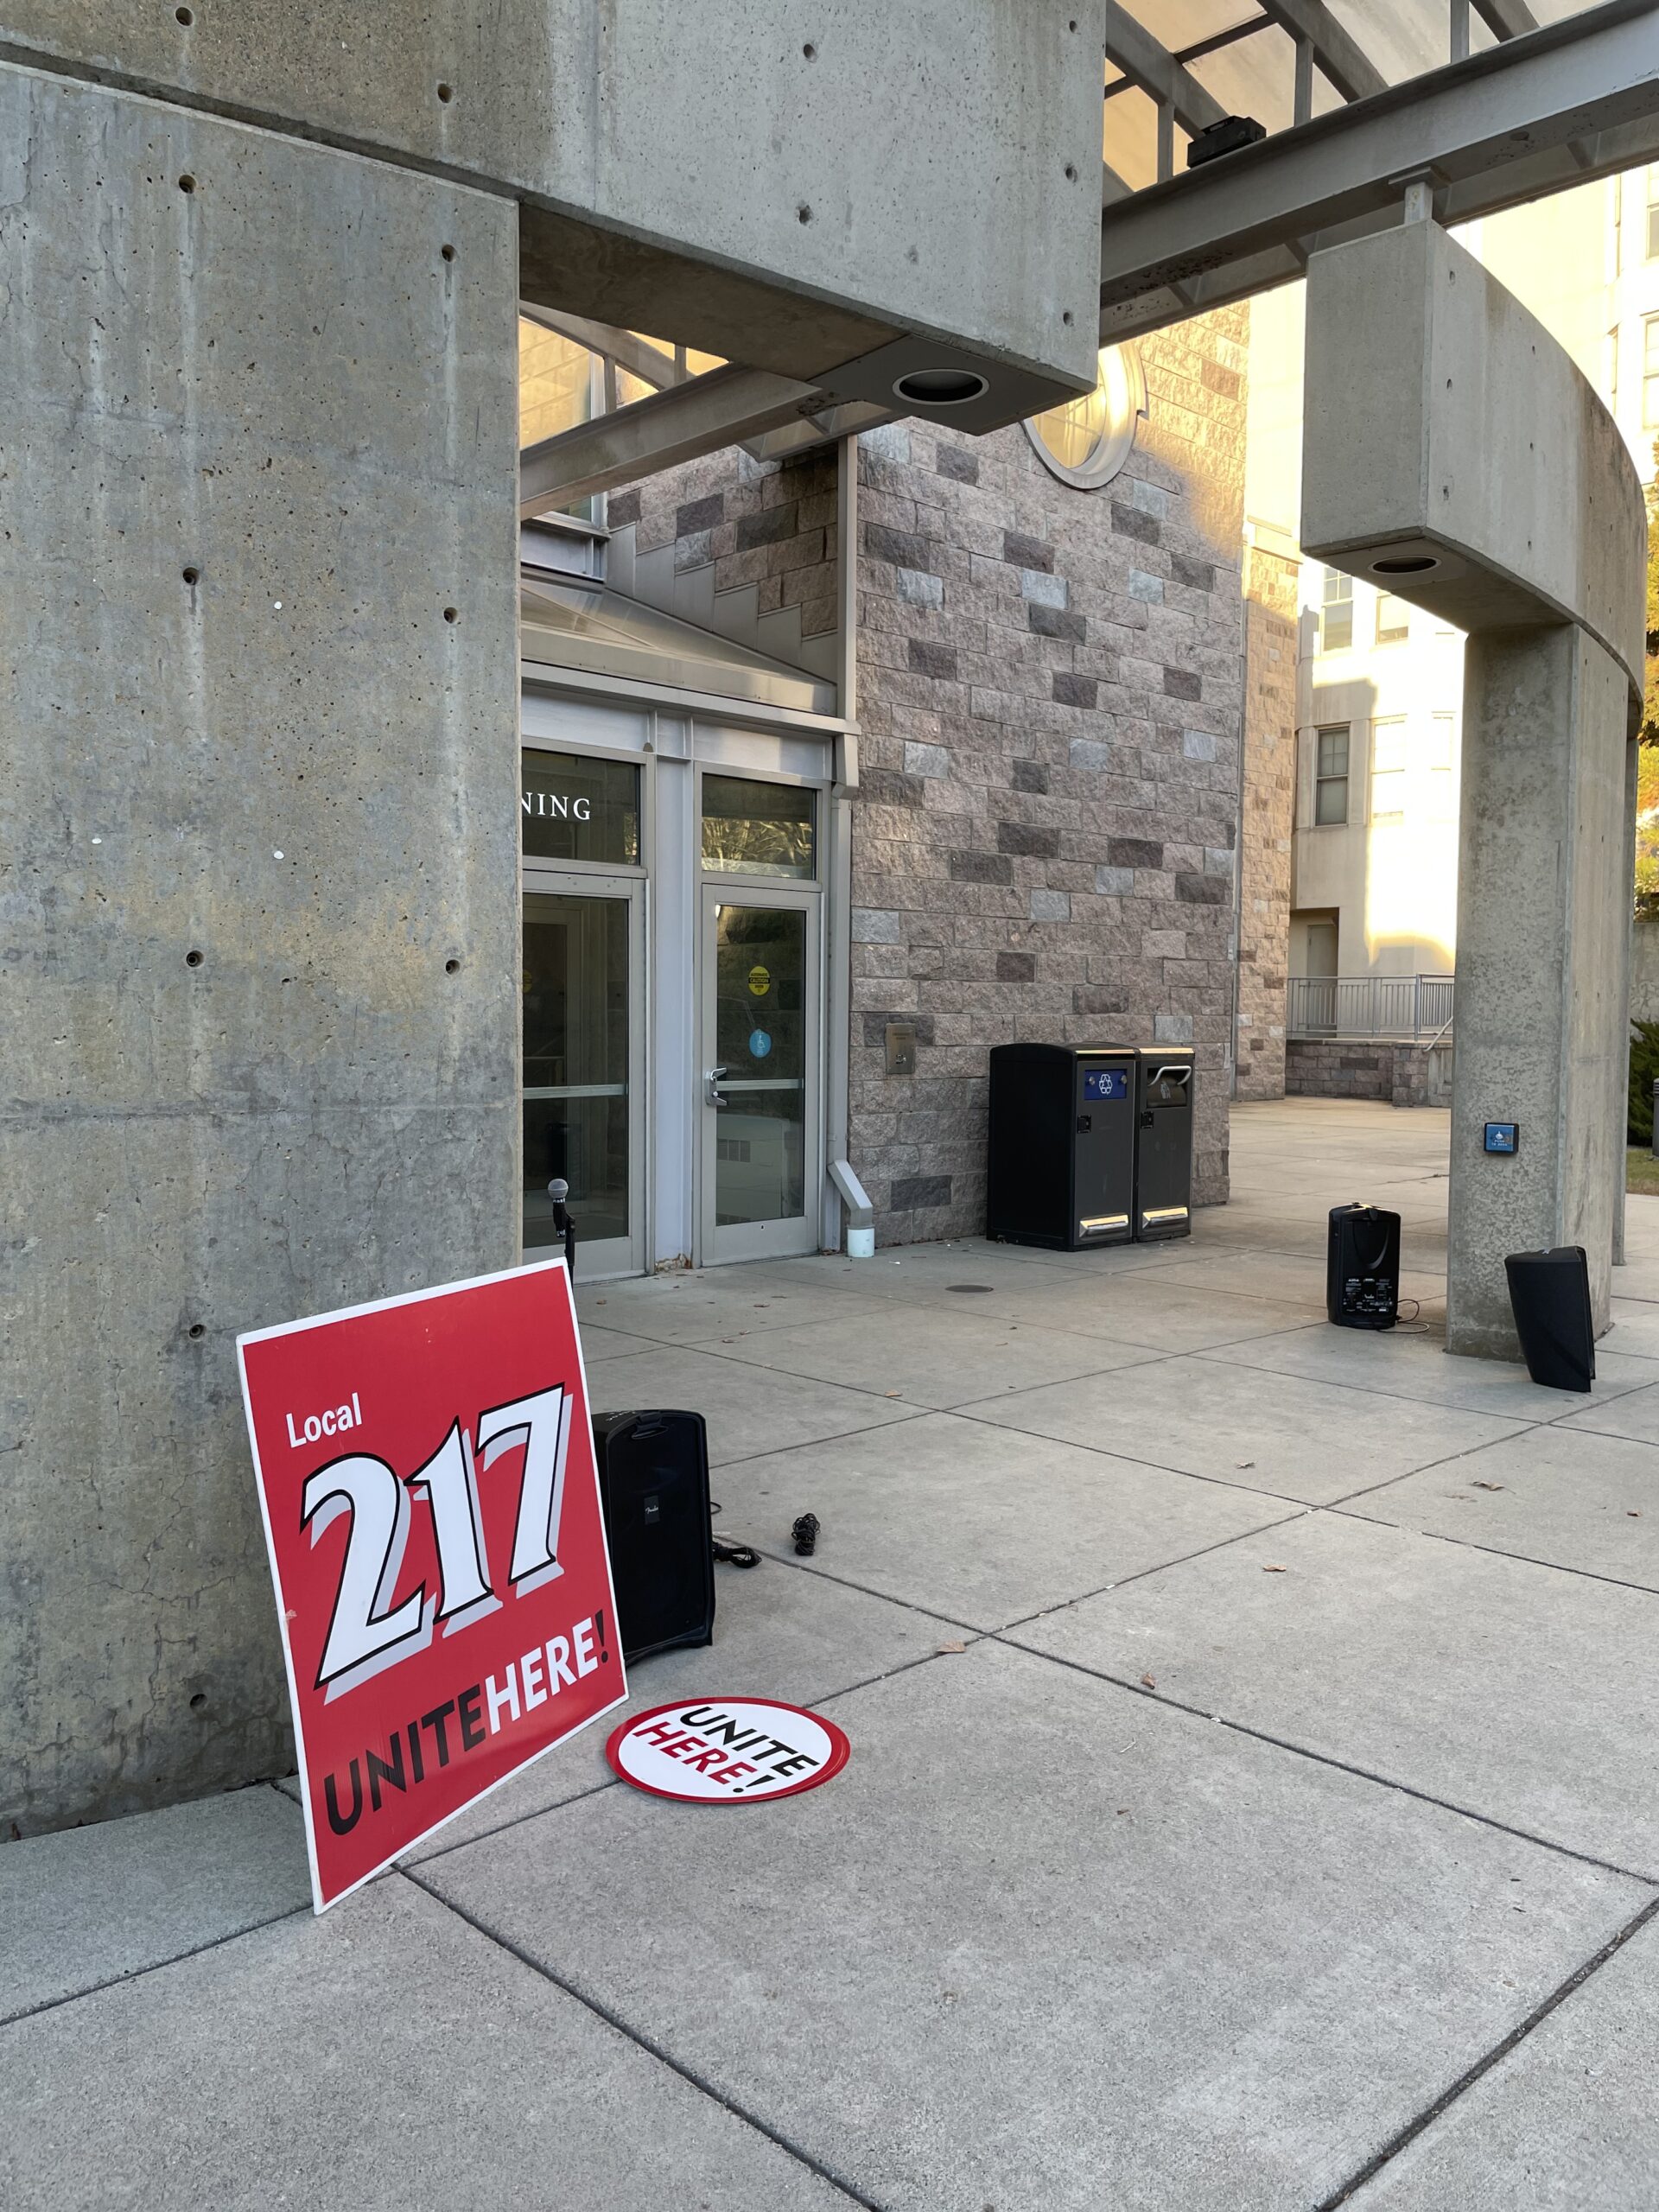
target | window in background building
[
  {"x": 1389, "y": 770},
  {"x": 1438, "y": 761},
  {"x": 1336, "y": 612},
  {"x": 1653, "y": 211},
  {"x": 1331, "y": 777},
  {"x": 1087, "y": 441},
  {"x": 1393, "y": 619},
  {"x": 555, "y": 384},
  {"x": 1610, "y": 368},
  {"x": 1650, "y": 372}
]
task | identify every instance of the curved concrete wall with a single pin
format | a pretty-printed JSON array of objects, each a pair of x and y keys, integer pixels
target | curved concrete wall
[{"x": 1458, "y": 431}]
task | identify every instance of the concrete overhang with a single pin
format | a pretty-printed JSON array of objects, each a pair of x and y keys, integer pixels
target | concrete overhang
[
  {"x": 799, "y": 189},
  {"x": 1454, "y": 455}
]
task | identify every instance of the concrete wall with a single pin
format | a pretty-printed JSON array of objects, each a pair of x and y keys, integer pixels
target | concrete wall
[
  {"x": 789, "y": 188},
  {"x": 1645, "y": 969},
  {"x": 1349, "y": 1067},
  {"x": 258, "y": 866},
  {"x": 1272, "y": 591}
]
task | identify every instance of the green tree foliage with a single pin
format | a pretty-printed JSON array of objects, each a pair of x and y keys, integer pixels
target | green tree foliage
[{"x": 1644, "y": 1072}]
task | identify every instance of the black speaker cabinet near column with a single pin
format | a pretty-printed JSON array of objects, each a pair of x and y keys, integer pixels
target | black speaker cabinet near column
[
  {"x": 1549, "y": 1296},
  {"x": 1163, "y": 1149},
  {"x": 653, "y": 1484},
  {"x": 1362, "y": 1268},
  {"x": 1060, "y": 1161}
]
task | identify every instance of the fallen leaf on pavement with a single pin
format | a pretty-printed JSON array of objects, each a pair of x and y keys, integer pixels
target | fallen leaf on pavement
[
  {"x": 1243, "y": 1463},
  {"x": 1275, "y": 1570},
  {"x": 1149, "y": 1681},
  {"x": 1481, "y": 1485},
  {"x": 953, "y": 1647}
]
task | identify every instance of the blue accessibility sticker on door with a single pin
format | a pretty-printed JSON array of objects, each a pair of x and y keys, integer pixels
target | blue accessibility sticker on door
[{"x": 759, "y": 1043}]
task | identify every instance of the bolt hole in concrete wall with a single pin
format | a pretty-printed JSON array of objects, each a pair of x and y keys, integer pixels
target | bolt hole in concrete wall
[
  {"x": 446, "y": 92},
  {"x": 448, "y": 251},
  {"x": 192, "y": 576},
  {"x": 802, "y": 214},
  {"x": 183, "y": 15},
  {"x": 451, "y": 967},
  {"x": 198, "y": 1701},
  {"x": 193, "y": 960},
  {"x": 187, "y": 182},
  {"x": 452, "y": 614},
  {"x": 1070, "y": 173},
  {"x": 810, "y": 51},
  {"x": 196, "y": 1331}
]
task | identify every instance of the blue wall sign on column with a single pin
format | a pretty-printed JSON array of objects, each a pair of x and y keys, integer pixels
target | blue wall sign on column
[{"x": 728, "y": 1750}]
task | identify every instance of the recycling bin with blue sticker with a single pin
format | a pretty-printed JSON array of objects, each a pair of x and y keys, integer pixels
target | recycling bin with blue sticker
[{"x": 1060, "y": 1159}]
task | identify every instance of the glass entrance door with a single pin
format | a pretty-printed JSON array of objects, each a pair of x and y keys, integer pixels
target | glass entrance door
[
  {"x": 584, "y": 1047},
  {"x": 760, "y": 1163}
]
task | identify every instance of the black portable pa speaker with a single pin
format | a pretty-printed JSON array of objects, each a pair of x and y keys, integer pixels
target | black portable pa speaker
[
  {"x": 653, "y": 1483},
  {"x": 1549, "y": 1295},
  {"x": 1362, "y": 1268}
]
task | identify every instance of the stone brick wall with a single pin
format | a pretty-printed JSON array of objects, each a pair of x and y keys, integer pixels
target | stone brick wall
[
  {"x": 1050, "y": 687},
  {"x": 1269, "y": 801},
  {"x": 1345, "y": 1067},
  {"x": 768, "y": 524}
]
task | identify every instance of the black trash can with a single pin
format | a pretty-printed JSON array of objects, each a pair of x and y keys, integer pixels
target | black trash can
[
  {"x": 1163, "y": 1151},
  {"x": 1060, "y": 1153}
]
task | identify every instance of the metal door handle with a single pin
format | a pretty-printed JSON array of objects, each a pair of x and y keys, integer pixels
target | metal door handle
[{"x": 716, "y": 1097}]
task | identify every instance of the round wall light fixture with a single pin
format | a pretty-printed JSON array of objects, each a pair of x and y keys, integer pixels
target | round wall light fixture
[
  {"x": 1087, "y": 441},
  {"x": 941, "y": 387}
]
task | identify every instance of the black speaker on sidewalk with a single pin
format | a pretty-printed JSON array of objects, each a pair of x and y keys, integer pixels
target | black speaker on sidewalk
[
  {"x": 653, "y": 1484},
  {"x": 1549, "y": 1295},
  {"x": 1362, "y": 1268}
]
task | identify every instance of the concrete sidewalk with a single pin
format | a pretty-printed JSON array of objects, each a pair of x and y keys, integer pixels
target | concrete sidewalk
[{"x": 1252, "y": 1801}]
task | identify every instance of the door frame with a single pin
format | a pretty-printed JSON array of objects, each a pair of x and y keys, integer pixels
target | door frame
[
  {"x": 607, "y": 1258},
  {"x": 797, "y": 1233}
]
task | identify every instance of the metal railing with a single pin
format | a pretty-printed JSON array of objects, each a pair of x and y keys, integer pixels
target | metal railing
[{"x": 1415, "y": 1006}]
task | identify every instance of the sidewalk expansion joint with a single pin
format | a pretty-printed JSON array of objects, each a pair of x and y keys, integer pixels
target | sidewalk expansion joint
[
  {"x": 155, "y": 1965},
  {"x": 1329, "y": 1758},
  {"x": 647, "y": 2044},
  {"x": 1485, "y": 2064}
]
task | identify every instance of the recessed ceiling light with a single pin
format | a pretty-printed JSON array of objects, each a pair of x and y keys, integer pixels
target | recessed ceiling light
[
  {"x": 1410, "y": 565},
  {"x": 941, "y": 387}
]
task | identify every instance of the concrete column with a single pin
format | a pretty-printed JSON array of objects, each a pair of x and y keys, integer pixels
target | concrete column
[
  {"x": 1453, "y": 454},
  {"x": 258, "y": 867},
  {"x": 1542, "y": 912}
]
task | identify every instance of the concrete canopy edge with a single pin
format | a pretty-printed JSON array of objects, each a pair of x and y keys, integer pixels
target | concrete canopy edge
[
  {"x": 1498, "y": 463},
  {"x": 792, "y": 197}
]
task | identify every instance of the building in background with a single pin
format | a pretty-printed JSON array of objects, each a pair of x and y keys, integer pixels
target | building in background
[
  {"x": 811, "y": 826},
  {"x": 1348, "y": 923}
]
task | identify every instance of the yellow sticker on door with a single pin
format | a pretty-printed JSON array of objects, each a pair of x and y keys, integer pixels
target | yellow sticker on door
[{"x": 759, "y": 981}]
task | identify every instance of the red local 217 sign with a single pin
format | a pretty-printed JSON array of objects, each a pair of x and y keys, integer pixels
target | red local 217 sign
[{"x": 426, "y": 1471}]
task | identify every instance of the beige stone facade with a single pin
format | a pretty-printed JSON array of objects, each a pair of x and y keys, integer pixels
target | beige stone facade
[{"x": 1049, "y": 690}]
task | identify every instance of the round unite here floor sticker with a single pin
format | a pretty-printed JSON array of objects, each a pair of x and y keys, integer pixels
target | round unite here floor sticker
[{"x": 731, "y": 1751}]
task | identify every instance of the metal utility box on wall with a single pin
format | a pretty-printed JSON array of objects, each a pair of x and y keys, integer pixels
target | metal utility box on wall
[
  {"x": 1163, "y": 1151},
  {"x": 1060, "y": 1164}
]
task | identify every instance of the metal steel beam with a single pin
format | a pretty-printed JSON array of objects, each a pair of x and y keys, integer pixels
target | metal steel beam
[
  {"x": 1506, "y": 18},
  {"x": 1157, "y": 72},
  {"x": 636, "y": 355},
  {"x": 1339, "y": 57},
  {"x": 720, "y": 408},
  {"x": 1575, "y": 99}
]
